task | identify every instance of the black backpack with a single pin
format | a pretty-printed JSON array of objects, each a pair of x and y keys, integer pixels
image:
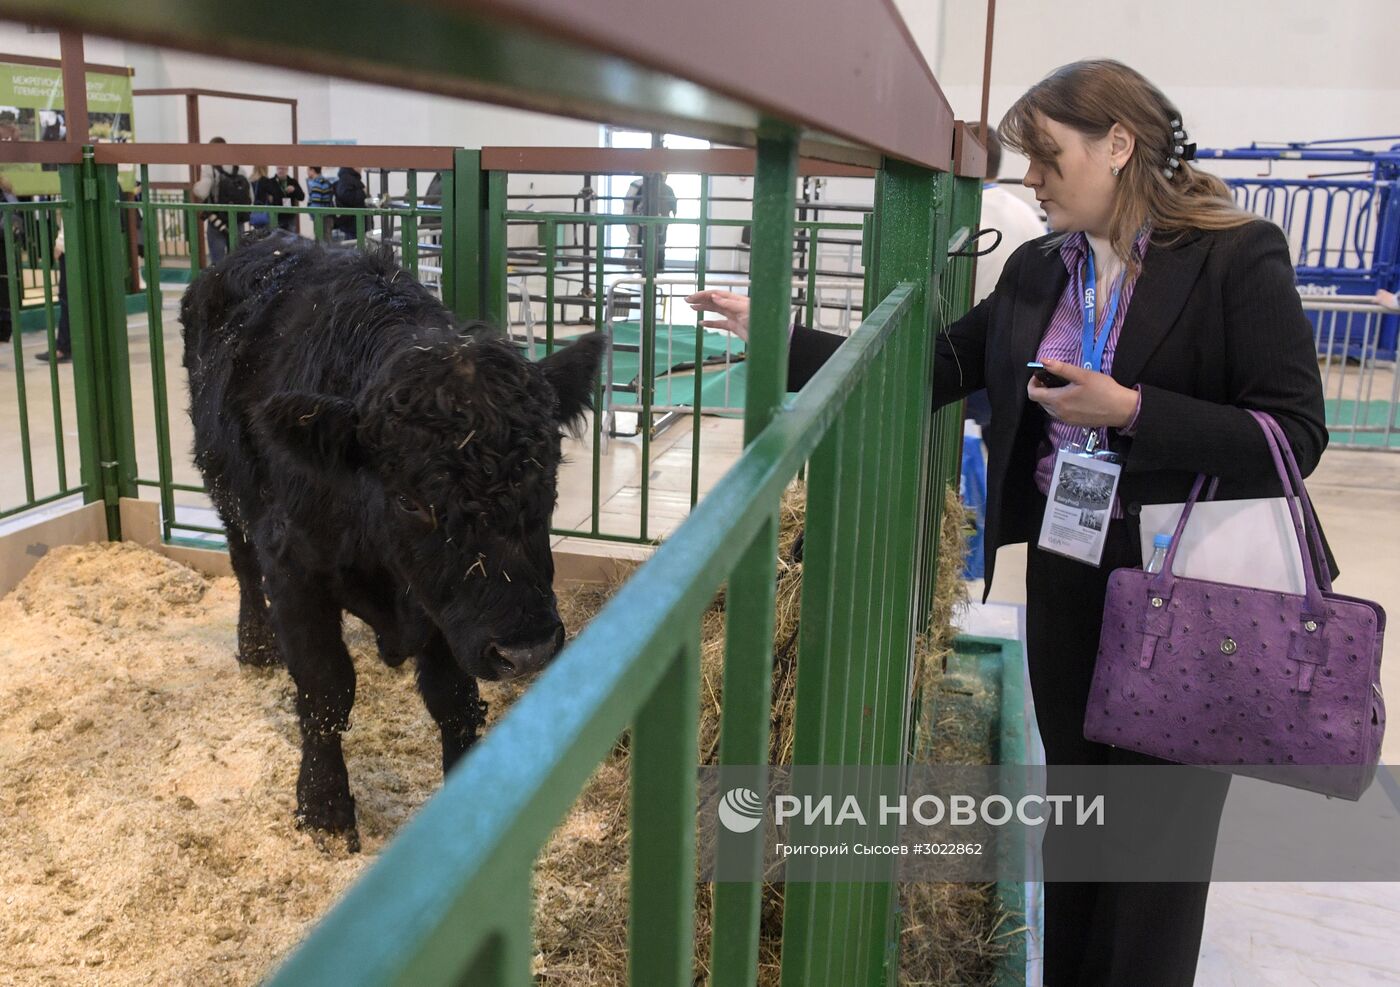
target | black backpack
[{"x": 231, "y": 188}]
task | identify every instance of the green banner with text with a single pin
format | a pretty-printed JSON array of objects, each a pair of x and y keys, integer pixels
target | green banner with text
[{"x": 32, "y": 109}]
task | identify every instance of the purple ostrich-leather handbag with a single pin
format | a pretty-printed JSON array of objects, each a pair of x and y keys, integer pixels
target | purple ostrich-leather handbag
[{"x": 1271, "y": 685}]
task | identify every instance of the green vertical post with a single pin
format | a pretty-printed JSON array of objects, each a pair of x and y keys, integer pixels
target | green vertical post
[
  {"x": 551, "y": 234},
  {"x": 749, "y": 625},
  {"x": 410, "y": 226},
  {"x": 770, "y": 312},
  {"x": 192, "y": 233},
  {"x": 496, "y": 309},
  {"x": 464, "y": 259},
  {"x": 12, "y": 282},
  {"x": 47, "y": 264},
  {"x": 97, "y": 310},
  {"x": 661, "y": 930},
  {"x": 814, "y": 664},
  {"x": 155, "y": 331},
  {"x": 748, "y": 674},
  {"x": 701, "y": 262},
  {"x": 447, "y": 241},
  {"x": 76, "y": 220},
  {"x": 907, "y": 248},
  {"x": 601, "y": 393}
]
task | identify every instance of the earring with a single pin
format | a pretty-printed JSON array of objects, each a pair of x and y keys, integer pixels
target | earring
[{"x": 1114, "y": 170}]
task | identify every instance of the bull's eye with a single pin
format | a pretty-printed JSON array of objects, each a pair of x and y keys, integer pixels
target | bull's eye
[{"x": 409, "y": 507}]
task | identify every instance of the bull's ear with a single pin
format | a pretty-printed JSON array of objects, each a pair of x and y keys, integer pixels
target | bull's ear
[
  {"x": 316, "y": 429},
  {"x": 573, "y": 373}
]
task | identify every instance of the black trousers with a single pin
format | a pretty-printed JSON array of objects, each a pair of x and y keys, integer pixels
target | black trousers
[{"x": 1107, "y": 934}]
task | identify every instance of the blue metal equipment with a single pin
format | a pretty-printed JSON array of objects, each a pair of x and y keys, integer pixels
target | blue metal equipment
[{"x": 1342, "y": 220}]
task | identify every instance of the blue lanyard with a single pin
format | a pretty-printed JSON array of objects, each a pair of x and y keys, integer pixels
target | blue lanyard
[{"x": 1091, "y": 348}]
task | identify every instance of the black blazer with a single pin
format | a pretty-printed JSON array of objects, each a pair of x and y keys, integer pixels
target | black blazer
[{"x": 1215, "y": 326}]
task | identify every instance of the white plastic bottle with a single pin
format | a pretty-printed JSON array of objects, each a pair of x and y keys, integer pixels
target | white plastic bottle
[{"x": 1160, "y": 544}]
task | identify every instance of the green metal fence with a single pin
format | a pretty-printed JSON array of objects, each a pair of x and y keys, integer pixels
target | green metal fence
[
  {"x": 578, "y": 259},
  {"x": 41, "y": 398},
  {"x": 449, "y": 900},
  {"x": 877, "y": 461}
]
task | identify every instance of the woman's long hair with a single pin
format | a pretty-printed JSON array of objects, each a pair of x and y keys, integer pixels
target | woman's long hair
[{"x": 1090, "y": 97}]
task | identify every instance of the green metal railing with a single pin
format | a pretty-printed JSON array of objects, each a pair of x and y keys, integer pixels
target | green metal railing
[
  {"x": 448, "y": 901},
  {"x": 598, "y": 266},
  {"x": 29, "y": 233},
  {"x": 877, "y": 461},
  {"x": 605, "y": 270}
]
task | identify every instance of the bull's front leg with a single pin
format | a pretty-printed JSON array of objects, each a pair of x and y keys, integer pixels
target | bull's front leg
[
  {"x": 307, "y": 624},
  {"x": 452, "y": 699}
]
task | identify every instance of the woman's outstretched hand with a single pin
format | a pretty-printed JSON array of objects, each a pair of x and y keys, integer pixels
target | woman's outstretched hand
[{"x": 733, "y": 309}]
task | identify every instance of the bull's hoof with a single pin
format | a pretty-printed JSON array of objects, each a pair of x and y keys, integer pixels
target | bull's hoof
[
  {"x": 328, "y": 824},
  {"x": 332, "y": 840}
]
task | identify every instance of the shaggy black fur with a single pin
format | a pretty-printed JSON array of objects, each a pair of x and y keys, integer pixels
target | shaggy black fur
[{"x": 369, "y": 454}]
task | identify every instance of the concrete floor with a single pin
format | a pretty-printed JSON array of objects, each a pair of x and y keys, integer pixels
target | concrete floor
[{"x": 1256, "y": 934}]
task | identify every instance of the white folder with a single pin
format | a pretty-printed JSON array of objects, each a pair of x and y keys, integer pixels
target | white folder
[{"x": 1240, "y": 542}]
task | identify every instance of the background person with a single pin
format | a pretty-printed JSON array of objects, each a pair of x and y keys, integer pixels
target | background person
[
  {"x": 266, "y": 192},
  {"x": 349, "y": 194},
  {"x": 222, "y": 184},
  {"x": 321, "y": 194},
  {"x": 1209, "y": 325},
  {"x": 289, "y": 193}
]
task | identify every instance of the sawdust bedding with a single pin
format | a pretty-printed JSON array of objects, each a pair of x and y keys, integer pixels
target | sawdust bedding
[{"x": 147, "y": 780}]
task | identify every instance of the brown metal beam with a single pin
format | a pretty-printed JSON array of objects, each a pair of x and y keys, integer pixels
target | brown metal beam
[
  {"x": 969, "y": 154},
  {"x": 217, "y": 93},
  {"x": 75, "y": 111},
  {"x": 55, "y": 63},
  {"x": 640, "y": 161},
  {"x": 987, "y": 62},
  {"x": 40, "y": 152},
  {"x": 345, "y": 155},
  {"x": 846, "y": 74},
  {"x": 869, "y": 85}
]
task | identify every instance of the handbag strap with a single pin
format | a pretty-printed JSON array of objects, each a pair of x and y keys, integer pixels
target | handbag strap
[
  {"x": 1314, "y": 530},
  {"x": 1287, "y": 469},
  {"x": 1313, "y": 608}
]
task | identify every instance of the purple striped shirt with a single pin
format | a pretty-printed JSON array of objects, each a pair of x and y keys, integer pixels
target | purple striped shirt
[{"x": 1063, "y": 340}]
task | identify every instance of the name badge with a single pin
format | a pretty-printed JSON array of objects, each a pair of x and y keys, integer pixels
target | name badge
[{"x": 1077, "y": 510}]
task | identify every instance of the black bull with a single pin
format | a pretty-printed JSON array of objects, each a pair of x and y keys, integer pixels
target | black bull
[{"x": 368, "y": 454}]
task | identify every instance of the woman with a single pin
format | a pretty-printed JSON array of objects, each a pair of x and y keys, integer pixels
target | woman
[
  {"x": 1206, "y": 325},
  {"x": 266, "y": 192}
]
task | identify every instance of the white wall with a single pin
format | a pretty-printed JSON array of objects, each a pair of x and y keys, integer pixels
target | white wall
[
  {"x": 1240, "y": 70},
  {"x": 329, "y": 109}
]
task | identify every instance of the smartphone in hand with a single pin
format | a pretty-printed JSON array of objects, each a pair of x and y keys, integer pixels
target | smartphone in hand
[{"x": 1044, "y": 377}]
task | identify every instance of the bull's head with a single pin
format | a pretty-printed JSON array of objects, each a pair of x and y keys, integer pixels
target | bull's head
[{"x": 455, "y": 449}]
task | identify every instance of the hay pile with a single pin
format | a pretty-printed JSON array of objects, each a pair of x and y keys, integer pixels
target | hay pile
[{"x": 951, "y": 933}]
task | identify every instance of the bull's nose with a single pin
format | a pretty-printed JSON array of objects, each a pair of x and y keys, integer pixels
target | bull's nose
[{"x": 513, "y": 660}]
